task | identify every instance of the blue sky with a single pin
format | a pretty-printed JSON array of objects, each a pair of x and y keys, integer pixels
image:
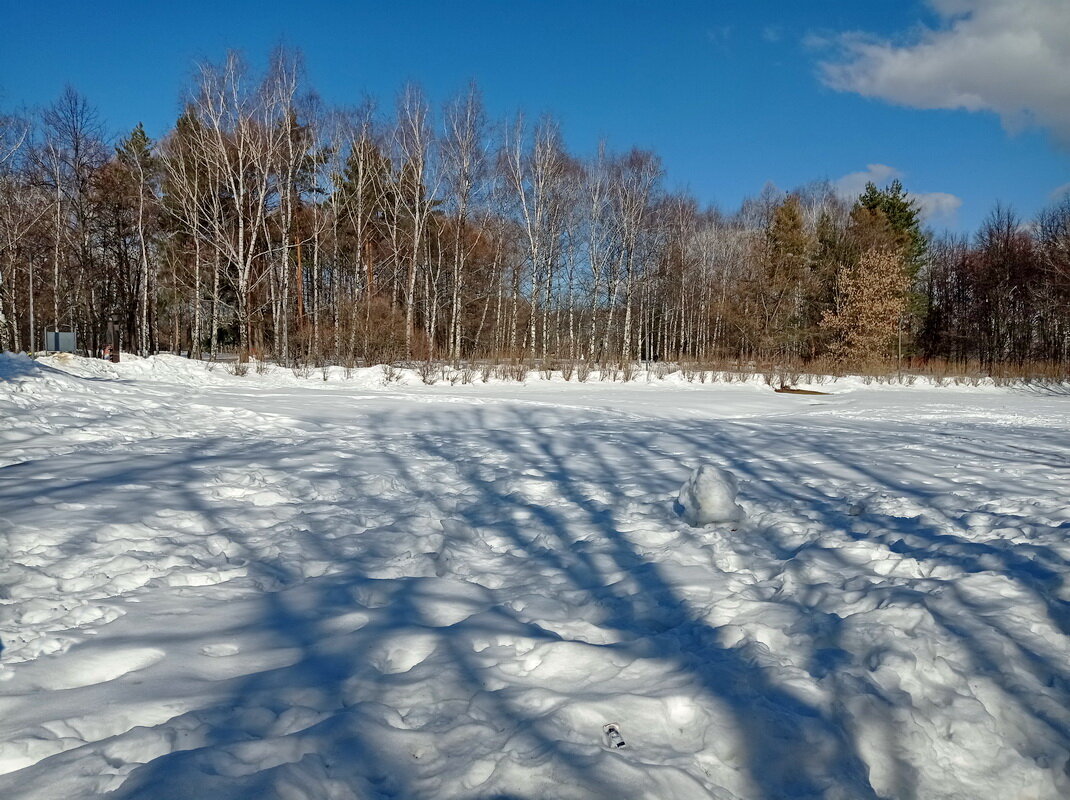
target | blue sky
[{"x": 732, "y": 94}]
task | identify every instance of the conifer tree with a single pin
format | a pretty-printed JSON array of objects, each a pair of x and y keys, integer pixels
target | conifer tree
[
  {"x": 902, "y": 216},
  {"x": 135, "y": 155},
  {"x": 783, "y": 289},
  {"x": 831, "y": 251}
]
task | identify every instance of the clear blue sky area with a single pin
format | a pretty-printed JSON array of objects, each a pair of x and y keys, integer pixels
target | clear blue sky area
[{"x": 728, "y": 93}]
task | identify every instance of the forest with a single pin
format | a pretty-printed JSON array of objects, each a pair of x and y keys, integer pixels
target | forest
[{"x": 268, "y": 225}]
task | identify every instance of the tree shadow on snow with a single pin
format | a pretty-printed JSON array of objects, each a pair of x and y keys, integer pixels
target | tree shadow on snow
[{"x": 562, "y": 497}]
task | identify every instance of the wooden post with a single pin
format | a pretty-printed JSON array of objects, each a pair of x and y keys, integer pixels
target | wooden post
[{"x": 113, "y": 337}]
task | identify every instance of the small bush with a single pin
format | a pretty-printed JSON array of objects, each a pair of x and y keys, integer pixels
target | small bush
[
  {"x": 518, "y": 371},
  {"x": 429, "y": 372}
]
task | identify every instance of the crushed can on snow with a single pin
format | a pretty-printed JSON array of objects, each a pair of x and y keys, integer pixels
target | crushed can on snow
[{"x": 611, "y": 733}]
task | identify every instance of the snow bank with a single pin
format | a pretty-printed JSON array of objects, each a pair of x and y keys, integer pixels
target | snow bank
[{"x": 709, "y": 495}]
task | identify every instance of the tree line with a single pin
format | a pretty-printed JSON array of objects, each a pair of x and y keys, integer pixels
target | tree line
[{"x": 268, "y": 224}]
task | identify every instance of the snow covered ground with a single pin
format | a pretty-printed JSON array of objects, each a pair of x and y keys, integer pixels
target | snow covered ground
[{"x": 218, "y": 587}]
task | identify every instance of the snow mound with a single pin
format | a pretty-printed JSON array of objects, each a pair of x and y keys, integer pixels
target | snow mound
[{"x": 709, "y": 495}]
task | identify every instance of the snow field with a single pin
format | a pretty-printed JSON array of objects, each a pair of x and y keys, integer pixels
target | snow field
[{"x": 215, "y": 586}]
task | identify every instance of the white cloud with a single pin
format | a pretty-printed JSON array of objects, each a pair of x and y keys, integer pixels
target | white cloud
[
  {"x": 1059, "y": 191},
  {"x": 936, "y": 207},
  {"x": 1010, "y": 58},
  {"x": 854, "y": 183},
  {"x": 720, "y": 34},
  {"x": 772, "y": 33}
]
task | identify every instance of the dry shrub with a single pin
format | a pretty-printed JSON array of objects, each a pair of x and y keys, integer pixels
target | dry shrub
[
  {"x": 381, "y": 333},
  {"x": 301, "y": 368},
  {"x": 459, "y": 374},
  {"x": 517, "y": 371},
  {"x": 662, "y": 370},
  {"x": 429, "y": 371},
  {"x": 788, "y": 377},
  {"x": 348, "y": 365}
]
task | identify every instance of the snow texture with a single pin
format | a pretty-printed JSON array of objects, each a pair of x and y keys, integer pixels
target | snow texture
[
  {"x": 709, "y": 495},
  {"x": 285, "y": 588}
]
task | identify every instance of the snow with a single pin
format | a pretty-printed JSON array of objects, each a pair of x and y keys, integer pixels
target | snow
[
  {"x": 282, "y": 587},
  {"x": 709, "y": 495}
]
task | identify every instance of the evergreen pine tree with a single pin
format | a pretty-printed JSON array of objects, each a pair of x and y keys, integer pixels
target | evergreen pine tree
[
  {"x": 136, "y": 151},
  {"x": 902, "y": 216}
]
